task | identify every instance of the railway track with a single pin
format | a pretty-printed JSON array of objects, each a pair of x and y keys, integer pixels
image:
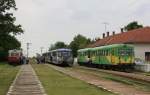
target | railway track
[
  {"x": 94, "y": 77},
  {"x": 135, "y": 76}
]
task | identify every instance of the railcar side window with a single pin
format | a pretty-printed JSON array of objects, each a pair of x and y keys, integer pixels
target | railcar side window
[
  {"x": 100, "y": 53},
  {"x": 54, "y": 53},
  {"x": 14, "y": 54},
  {"x": 130, "y": 52},
  {"x": 112, "y": 51},
  {"x": 103, "y": 52},
  {"x": 59, "y": 54},
  {"x": 106, "y": 52},
  {"x": 85, "y": 53},
  {"x": 96, "y": 53},
  {"x": 93, "y": 53},
  {"x": 122, "y": 52}
]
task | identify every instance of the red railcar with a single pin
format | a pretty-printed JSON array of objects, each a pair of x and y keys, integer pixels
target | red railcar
[{"x": 14, "y": 56}]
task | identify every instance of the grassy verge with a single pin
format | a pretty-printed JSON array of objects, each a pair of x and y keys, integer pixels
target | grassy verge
[
  {"x": 56, "y": 83},
  {"x": 7, "y": 75},
  {"x": 147, "y": 74},
  {"x": 135, "y": 83}
]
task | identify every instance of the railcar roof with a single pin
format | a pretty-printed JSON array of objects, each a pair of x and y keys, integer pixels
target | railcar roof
[
  {"x": 62, "y": 49},
  {"x": 85, "y": 49},
  {"x": 106, "y": 47},
  {"x": 14, "y": 50},
  {"x": 112, "y": 46}
]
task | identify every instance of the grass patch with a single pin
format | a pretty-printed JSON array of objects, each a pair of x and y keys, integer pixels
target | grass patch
[
  {"x": 147, "y": 74},
  {"x": 56, "y": 83},
  {"x": 117, "y": 80},
  {"x": 7, "y": 75}
]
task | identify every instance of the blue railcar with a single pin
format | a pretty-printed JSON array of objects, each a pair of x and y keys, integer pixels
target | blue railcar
[{"x": 59, "y": 57}]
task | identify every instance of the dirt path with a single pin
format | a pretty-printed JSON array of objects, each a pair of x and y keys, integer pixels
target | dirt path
[
  {"x": 105, "y": 84},
  {"x": 26, "y": 83}
]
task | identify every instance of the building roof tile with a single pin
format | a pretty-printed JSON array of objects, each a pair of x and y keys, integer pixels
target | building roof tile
[{"x": 141, "y": 35}]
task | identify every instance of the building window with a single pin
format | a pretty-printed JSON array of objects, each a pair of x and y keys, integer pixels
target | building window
[{"x": 147, "y": 56}]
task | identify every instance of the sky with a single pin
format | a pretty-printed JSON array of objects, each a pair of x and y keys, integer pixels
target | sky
[{"x": 48, "y": 21}]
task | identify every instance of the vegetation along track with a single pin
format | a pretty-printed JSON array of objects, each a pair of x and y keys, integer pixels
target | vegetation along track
[{"x": 135, "y": 76}]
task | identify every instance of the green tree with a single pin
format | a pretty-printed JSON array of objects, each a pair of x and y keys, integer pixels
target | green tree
[
  {"x": 79, "y": 42},
  {"x": 8, "y": 28},
  {"x": 58, "y": 45},
  {"x": 132, "y": 25},
  {"x": 52, "y": 47},
  {"x": 9, "y": 42}
]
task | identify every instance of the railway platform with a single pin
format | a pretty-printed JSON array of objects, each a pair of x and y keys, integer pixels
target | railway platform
[{"x": 26, "y": 83}]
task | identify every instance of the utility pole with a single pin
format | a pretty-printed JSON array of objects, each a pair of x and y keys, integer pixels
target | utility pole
[
  {"x": 42, "y": 50},
  {"x": 105, "y": 26},
  {"x": 28, "y": 44}
]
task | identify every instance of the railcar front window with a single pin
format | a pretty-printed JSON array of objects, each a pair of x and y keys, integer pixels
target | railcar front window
[
  {"x": 126, "y": 52},
  {"x": 14, "y": 54},
  {"x": 66, "y": 53}
]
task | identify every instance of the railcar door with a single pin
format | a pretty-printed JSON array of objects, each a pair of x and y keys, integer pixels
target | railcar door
[{"x": 112, "y": 56}]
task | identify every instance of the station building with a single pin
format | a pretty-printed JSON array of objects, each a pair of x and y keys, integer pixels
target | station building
[{"x": 139, "y": 38}]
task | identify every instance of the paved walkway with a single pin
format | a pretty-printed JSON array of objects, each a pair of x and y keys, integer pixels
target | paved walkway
[{"x": 26, "y": 83}]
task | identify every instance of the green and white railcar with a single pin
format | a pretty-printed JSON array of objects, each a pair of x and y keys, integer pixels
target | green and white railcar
[
  {"x": 113, "y": 54},
  {"x": 83, "y": 55},
  {"x": 116, "y": 54}
]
